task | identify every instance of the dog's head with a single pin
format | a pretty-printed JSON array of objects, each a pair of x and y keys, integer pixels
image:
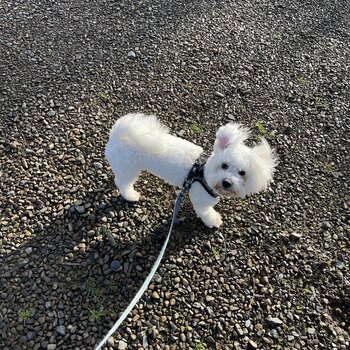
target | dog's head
[{"x": 236, "y": 170}]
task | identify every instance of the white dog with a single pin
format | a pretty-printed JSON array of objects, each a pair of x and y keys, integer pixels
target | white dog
[{"x": 138, "y": 142}]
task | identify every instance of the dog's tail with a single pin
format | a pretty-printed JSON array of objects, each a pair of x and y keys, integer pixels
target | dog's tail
[{"x": 144, "y": 132}]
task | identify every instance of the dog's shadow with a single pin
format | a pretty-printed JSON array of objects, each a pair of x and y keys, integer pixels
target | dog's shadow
[
  {"x": 129, "y": 256},
  {"x": 89, "y": 263}
]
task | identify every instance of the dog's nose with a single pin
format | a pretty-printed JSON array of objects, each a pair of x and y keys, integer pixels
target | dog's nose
[{"x": 226, "y": 183}]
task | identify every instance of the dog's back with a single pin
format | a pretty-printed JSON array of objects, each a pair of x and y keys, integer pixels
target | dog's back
[{"x": 140, "y": 142}]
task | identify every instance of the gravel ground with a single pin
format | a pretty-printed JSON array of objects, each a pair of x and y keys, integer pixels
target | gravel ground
[{"x": 275, "y": 276}]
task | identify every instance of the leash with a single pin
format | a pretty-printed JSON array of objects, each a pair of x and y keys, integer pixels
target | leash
[
  {"x": 145, "y": 284},
  {"x": 196, "y": 174}
]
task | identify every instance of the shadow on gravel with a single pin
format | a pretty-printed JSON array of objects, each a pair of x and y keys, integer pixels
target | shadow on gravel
[{"x": 83, "y": 278}]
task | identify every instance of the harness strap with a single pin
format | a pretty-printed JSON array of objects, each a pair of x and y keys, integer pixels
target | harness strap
[{"x": 197, "y": 174}]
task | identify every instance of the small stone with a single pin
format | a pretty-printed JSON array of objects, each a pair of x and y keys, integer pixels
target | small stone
[
  {"x": 267, "y": 340},
  {"x": 122, "y": 345},
  {"x": 115, "y": 265},
  {"x": 155, "y": 295},
  {"x": 98, "y": 165},
  {"x": 51, "y": 113},
  {"x": 339, "y": 275},
  {"x": 61, "y": 330},
  {"x": 252, "y": 344},
  {"x": 145, "y": 342},
  {"x": 296, "y": 236},
  {"x": 219, "y": 94},
  {"x": 274, "y": 321},
  {"x": 239, "y": 330},
  {"x": 126, "y": 267},
  {"x": 181, "y": 132},
  {"x": 15, "y": 144},
  {"x": 173, "y": 326},
  {"x": 28, "y": 250},
  {"x": 110, "y": 341},
  {"x": 111, "y": 240},
  {"x": 209, "y": 298},
  {"x": 339, "y": 264},
  {"x": 157, "y": 278},
  {"x": 311, "y": 330},
  {"x": 22, "y": 262},
  {"x": 265, "y": 280},
  {"x": 30, "y": 335},
  {"x": 326, "y": 225},
  {"x": 273, "y": 333},
  {"x": 80, "y": 209},
  {"x": 51, "y": 347},
  {"x": 131, "y": 55},
  {"x": 209, "y": 339}
]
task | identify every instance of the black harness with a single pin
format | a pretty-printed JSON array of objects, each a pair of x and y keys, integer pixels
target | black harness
[{"x": 197, "y": 174}]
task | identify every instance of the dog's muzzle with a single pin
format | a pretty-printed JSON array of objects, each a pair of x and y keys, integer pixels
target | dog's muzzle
[{"x": 225, "y": 188}]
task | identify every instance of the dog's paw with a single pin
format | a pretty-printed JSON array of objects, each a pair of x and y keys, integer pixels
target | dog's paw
[
  {"x": 213, "y": 219},
  {"x": 131, "y": 196}
]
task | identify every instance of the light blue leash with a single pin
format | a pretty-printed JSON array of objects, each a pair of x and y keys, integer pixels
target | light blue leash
[{"x": 145, "y": 284}]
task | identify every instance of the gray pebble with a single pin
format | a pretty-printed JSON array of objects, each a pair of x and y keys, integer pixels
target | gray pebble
[
  {"x": 61, "y": 330},
  {"x": 51, "y": 113},
  {"x": 131, "y": 55},
  {"x": 28, "y": 250},
  {"x": 274, "y": 321},
  {"x": 115, "y": 265}
]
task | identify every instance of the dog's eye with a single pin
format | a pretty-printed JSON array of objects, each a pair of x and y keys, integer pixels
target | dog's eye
[
  {"x": 224, "y": 166},
  {"x": 241, "y": 173}
]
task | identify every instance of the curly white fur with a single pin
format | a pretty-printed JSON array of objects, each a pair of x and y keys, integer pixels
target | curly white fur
[{"x": 139, "y": 142}]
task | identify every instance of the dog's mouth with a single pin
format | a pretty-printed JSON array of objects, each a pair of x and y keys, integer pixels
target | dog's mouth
[{"x": 223, "y": 192}]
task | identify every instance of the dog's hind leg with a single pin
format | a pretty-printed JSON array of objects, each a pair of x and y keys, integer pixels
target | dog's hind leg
[{"x": 125, "y": 180}]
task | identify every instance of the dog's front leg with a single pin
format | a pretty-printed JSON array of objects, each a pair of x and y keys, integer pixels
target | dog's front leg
[{"x": 203, "y": 204}]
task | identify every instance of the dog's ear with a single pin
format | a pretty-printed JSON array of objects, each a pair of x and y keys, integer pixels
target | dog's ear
[
  {"x": 265, "y": 152},
  {"x": 230, "y": 134},
  {"x": 264, "y": 161}
]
